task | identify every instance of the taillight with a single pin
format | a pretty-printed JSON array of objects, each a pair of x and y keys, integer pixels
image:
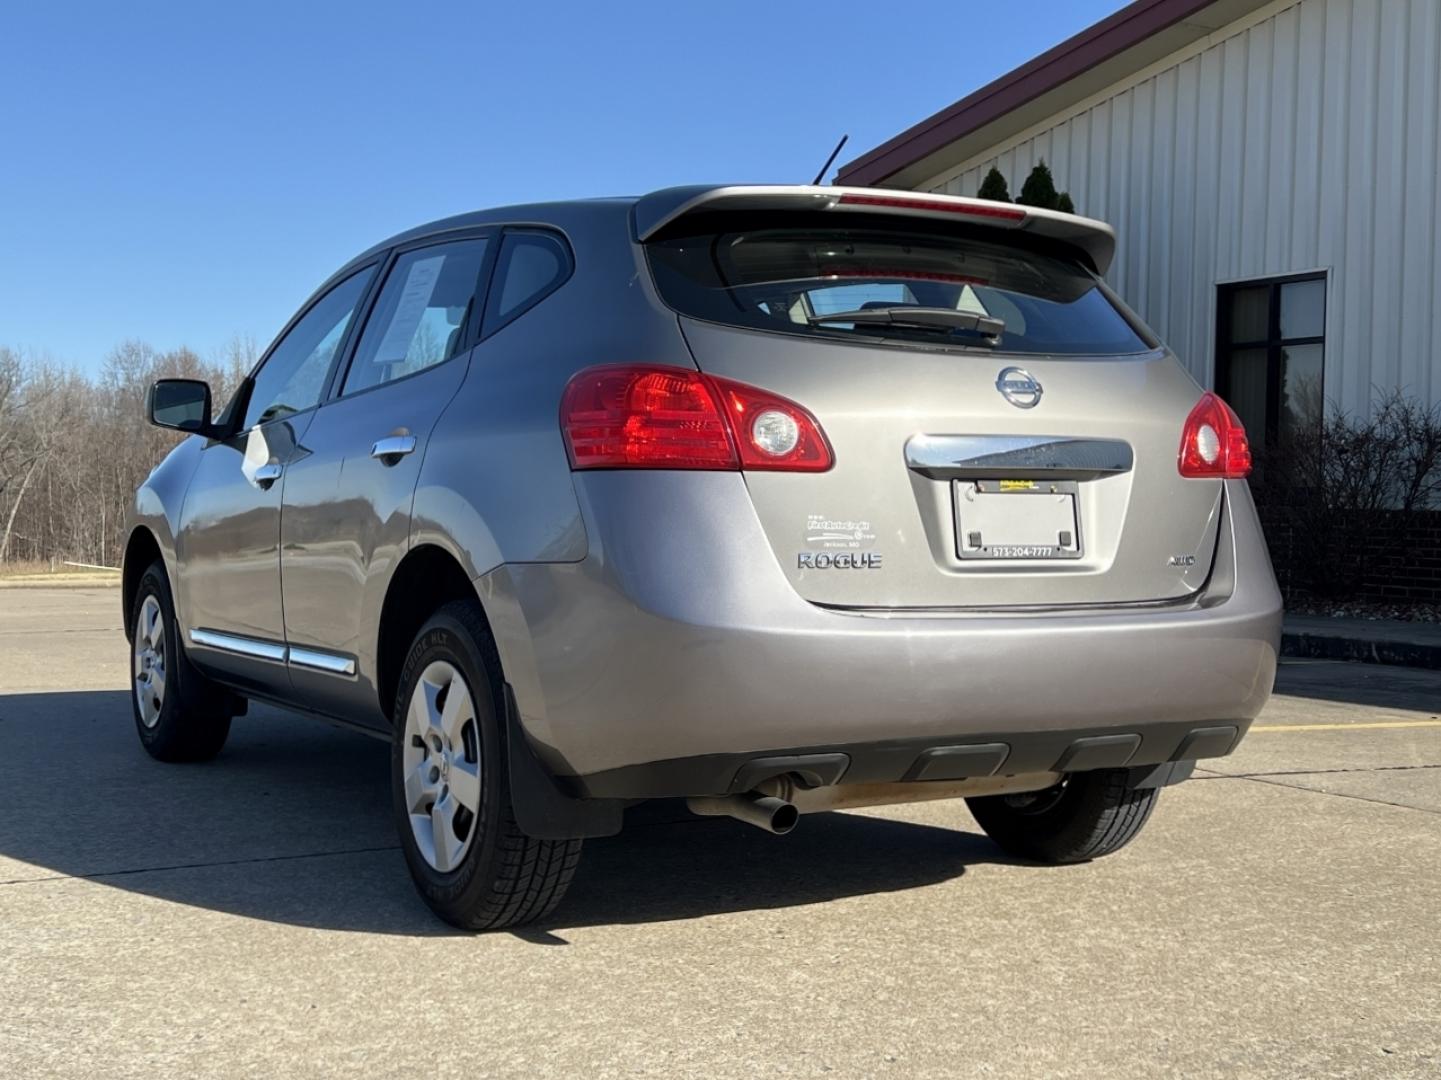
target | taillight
[
  {"x": 772, "y": 432},
  {"x": 640, "y": 416},
  {"x": 624, "y": 417},
  {"x": 1213, "y": 442}
]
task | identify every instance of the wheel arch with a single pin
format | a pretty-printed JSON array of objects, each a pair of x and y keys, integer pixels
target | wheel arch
[
  {"x": 142, "y": 550},
  {"x": 425, "y": 579}
]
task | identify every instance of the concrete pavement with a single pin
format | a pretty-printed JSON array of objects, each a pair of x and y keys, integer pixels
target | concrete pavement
[{"x": 1278, "y": 917}]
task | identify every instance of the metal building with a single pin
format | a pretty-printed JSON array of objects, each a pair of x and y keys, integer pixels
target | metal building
[{"x": 1271, "y": 168}]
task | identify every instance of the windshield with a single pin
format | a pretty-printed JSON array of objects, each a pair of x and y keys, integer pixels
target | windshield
[{"x": 790, "y": 280}]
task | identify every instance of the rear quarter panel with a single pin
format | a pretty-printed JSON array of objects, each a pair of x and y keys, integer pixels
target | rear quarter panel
[{"x": 496, "y": 485}]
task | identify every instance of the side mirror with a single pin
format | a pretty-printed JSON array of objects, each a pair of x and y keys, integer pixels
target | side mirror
[{"x": 182, "y": 404}]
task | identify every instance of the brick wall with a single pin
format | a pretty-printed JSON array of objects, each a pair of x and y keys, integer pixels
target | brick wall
[{"x": 1390, "y": 556}]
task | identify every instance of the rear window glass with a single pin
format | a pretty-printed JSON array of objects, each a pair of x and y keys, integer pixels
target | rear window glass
[{"x": 903, "y": 288}]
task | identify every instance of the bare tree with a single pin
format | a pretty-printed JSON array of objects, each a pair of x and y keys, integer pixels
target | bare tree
[
  {"x": 29, "y": 426},
  {"x": 73, "y": 449}
]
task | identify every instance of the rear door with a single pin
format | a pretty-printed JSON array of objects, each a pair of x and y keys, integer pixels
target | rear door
[
  {"x": 346, "y": 517},
  {"x": 975, "y": 467}
]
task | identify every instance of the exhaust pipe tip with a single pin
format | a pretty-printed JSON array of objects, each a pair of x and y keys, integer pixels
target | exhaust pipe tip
[
  {"x": 775, "y": 816},
  {"x": 784, "y": 817}
]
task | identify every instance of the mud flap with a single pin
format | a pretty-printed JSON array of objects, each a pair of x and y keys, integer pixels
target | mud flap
[{"x": 542, "y": 809}]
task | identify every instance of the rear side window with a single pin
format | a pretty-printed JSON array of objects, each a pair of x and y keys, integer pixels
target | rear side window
[
  {"x": 420, "y": 315},
  {"x": 795, "y": 281},
  {"x": 531, "y": 266}
]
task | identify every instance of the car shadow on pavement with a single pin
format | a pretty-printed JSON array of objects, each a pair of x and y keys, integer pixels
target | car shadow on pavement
[
  {"x": 292, "y": 824},
  {"x": 655, "y": 873},
  {"x": 1373, "y": 685}
]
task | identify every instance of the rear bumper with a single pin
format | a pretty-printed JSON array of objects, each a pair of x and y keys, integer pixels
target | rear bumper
[{"x": 664, "y": 664}]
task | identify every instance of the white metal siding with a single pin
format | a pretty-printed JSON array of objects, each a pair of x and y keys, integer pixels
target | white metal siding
[{"x": 1301, "y": 138}]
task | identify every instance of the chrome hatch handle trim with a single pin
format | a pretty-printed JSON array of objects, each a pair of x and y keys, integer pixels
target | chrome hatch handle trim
[{"x": 1056, "y": 457}]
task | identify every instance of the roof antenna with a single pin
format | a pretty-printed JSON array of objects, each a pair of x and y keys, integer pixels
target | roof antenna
[{"x": 824, "y": 168}]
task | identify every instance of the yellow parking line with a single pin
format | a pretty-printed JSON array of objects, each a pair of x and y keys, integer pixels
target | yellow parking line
[{"x": 1347, "y": 727}]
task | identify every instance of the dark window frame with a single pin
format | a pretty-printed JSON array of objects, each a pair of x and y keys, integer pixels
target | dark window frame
[{"x": 1273, "y": 343}]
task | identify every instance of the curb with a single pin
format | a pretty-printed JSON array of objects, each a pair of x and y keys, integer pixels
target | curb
[{"x": 1338, "y": 647}]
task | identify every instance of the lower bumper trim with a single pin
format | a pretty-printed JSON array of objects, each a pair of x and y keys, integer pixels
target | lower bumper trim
[
  {"x": 1099, "y": 752},
  {"x": 989, "y": 754},
  {"x": 960, "y": 762}
]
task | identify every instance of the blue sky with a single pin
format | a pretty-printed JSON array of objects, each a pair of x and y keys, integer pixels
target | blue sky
[{"x": 186, "y": 172}]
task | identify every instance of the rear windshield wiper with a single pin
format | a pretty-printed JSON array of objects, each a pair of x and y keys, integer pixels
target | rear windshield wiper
[{"x": 920, "y": 318}]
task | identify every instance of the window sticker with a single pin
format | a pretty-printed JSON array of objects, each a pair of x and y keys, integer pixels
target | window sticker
[{"x": 414, "y": 299}]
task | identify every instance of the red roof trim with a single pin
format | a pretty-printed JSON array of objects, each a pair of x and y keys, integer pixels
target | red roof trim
[{"x": 1094, "y": 45}]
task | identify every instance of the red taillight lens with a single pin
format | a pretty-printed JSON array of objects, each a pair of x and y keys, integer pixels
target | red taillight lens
[
  {"x": 639, "y": 416},
  {"x": 642, "y": 417},
  {"x": 773, "y": 432},
  {"x": 1213, "y": 442}
]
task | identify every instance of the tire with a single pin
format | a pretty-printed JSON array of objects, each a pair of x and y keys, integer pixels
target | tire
[
  {"x": 451, "y": 789},
  {"x": 180, "y": 715},
  {"x": 1087, "y": 815}
]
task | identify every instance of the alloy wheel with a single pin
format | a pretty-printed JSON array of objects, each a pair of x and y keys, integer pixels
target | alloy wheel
[
  {"x": 441, "y": 762},
  {"x": 149, "y": 665}
]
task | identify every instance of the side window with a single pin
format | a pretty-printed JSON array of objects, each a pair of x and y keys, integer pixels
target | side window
[
  {"x": 420, "y": 315},
  {"x": 531, "y": 266},
  {"x": 293, "y": 376}
]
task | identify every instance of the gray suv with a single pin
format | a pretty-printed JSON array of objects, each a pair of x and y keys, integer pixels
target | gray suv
[{"x": 771, "y": 499}]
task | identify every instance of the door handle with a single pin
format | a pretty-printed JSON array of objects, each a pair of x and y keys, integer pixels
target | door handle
[
  {"x": 266, "y": 475},
  {"x": 392, "y": 448}
]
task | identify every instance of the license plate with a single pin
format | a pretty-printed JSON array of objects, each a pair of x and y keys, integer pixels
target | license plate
[{"x": 1017, "y": 519}]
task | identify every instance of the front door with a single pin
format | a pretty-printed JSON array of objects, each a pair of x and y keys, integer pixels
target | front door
[
  {"x": 346, "y": 518},
  {"x": 228, "y": 540}
]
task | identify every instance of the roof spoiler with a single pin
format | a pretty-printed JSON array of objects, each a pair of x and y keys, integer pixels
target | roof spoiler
[{"x": 660, "y": 209}]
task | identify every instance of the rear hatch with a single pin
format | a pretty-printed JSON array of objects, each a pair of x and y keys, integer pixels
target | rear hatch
[{"x": 1005, "y": 433}]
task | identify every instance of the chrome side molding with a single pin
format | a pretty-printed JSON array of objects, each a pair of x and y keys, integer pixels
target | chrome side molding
[
  {"x": 313, "y": 659},
  {"x": 1056, "y": 457},
  {"x": 322, "y": 661},
  {"x": 260, "y": 650}
]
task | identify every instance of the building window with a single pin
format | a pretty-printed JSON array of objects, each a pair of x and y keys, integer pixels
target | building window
[{"x": 1270, "y": 353}]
